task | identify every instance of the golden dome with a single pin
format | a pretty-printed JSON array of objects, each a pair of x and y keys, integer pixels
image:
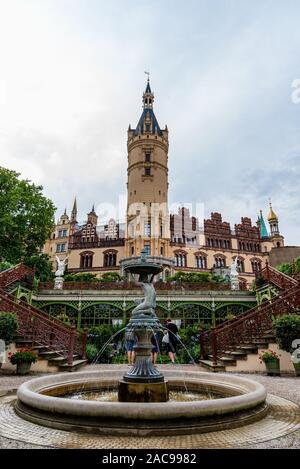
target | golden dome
[{"x": 272, "y": 215}]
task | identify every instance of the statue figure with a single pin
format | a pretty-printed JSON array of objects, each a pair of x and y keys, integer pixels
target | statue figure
[
  {"x": 233, "y": 268},
  {"x": 61, "y": 265},
  {"x": 148, "y": 304},
  {"x": 234, "y": 275}
]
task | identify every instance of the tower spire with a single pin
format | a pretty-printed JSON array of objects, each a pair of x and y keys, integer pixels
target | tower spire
[
  {"x": 262, "y": 225},
  {"x": 74, "y": 212},
  {"x": 273, "y": 221}
]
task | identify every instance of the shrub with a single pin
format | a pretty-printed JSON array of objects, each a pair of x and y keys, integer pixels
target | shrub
[
  {"x": 23, "y": 355},
  {"x": 287, "y": 329},
  {"x": 91, "y": 352},
  {"x": 4, "y": 265},
  {"x": 111, "y": 277},
  {"x": 8, "y": 327},
  {"x": 285, "y": 268},
  {"x": 102, "y": 338},
  {"x": 82, "y": 277}
]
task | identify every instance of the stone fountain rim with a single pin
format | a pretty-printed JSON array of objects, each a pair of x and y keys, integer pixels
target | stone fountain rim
[{"x": 252, "y": 395}]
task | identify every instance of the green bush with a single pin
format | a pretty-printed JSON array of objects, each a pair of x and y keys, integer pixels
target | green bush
[
  {"x": 82, "y": 277},
  {"x": 91, "y": 352},
  {"x": 4, "y": 265},
  {"x": 42, "y": 266},
  {"x": 287, "y": 329},
  {"x": 285, "y": 268},
  {"x": 111, "y": 277},
  {"x": 102, "y": 338},
  {"x": 8, "y": 327}
]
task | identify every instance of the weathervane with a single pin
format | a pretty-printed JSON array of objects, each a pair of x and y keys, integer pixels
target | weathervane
[{"x": 148, "y": 75}]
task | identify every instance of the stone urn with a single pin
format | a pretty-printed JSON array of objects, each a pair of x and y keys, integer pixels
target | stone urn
[
  {"x": 23, "y": 368},
  {"x": 273, "y": 367}
]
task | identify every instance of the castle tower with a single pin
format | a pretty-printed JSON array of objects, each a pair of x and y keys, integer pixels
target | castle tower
[
  {"x": 147, "y": 184},
  {"x": 276, "y": 237}
]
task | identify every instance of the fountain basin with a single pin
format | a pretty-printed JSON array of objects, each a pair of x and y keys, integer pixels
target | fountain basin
[{"x": 39, "y": 402}]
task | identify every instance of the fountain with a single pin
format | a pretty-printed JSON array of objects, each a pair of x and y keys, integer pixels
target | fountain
[
  {"x": 143, "y": 407},
  {"x": 143, "y": 382}
]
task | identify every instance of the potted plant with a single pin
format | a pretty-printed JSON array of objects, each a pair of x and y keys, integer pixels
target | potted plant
[
  {"x": 287, "y": 333},
  {"x": 272, "y": 362},
  {"x": 8, "y": 330},
  {"x": 23, "y": 359}
]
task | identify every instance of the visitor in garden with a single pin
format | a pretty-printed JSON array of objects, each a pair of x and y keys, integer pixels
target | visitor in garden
[
  {"x": 155, "y": 347},
  {"x": 131, "y": 341},
  {"x": 173, "y": 339}
]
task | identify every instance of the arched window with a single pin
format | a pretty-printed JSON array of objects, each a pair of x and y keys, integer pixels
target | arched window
[
  {"x": 240, "y": 265},
  {"x": 180, "y": 259},
  {"x": 200, "y": 260},
  {"x": 86, "y": 259},
  {"x": 110, "y": 258},
  {"x": 256, "y": 265},
  {"x": 220, "y": 261}
]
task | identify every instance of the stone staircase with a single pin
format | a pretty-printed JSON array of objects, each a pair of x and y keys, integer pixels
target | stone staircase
[
  {"x": 231, "y": 343},
  {"x": 55, "y": 360},
  {"x": 232, "y": 358},
  {"x": 60, "y": 346}
]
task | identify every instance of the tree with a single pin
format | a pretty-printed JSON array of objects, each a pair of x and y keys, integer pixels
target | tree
[
  {"x": 42, "y": 266},
  {"x": 26, "y": 217}
]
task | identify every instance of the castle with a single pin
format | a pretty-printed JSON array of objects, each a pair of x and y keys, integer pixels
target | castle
[{"x": 175, "y": 239}]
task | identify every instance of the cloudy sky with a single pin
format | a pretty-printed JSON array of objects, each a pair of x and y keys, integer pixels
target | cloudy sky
[{"x": 71, "y": 80}]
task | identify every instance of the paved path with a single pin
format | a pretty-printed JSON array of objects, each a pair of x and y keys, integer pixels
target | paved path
[{"x": 285, "y": 387}]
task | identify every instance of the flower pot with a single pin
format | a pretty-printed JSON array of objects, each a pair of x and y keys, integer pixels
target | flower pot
[
  {"x": 273, "y": 367},
  {"x": 23, "y": 368},
  {"x": 297, "y": 368}
]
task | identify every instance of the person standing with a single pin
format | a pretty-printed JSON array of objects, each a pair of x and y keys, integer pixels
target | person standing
[
  {"x": 131, "y": 341},
  {"x": 173, "y": 340},
  {"x": 155, "y": 347}
]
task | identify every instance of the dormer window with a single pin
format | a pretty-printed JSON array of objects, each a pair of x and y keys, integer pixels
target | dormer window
[{"x": 148, "y": 128}]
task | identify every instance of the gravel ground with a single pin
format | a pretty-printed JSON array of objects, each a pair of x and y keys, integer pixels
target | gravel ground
[{"x": 285, "y": 387}]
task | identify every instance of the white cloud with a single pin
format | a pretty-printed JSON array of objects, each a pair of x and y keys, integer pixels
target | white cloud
[{"x": 71, "y": 79}]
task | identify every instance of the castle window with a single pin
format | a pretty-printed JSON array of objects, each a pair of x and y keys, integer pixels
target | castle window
[
  {"x": 201, "y": 262},
  {"x": 147, "y": 171},
  {"x": 86, "y": 260},
  {"x": 147, "y": 229},
  {"x": 132, "y": 250},
  {"x": 256, "y": 266},
  {"x": 220, "y": 262},
  {"x": 147, "y": 157},
  {"x": 161, "y": 250},
  {"x": 110, "y": 259},
  {"x": 147, "y": 248},
  {"x": 180, "y": 259},
  {"x": 240, "y": 265}
]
